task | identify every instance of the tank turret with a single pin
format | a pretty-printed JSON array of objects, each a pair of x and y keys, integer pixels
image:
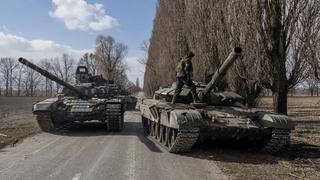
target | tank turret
[{"x": 52, "y": 77}]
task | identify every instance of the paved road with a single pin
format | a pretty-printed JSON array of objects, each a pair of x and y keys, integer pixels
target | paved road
[{"x": 90, "y": 153}]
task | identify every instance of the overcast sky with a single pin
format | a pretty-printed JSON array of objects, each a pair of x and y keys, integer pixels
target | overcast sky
[{"x": 38, "y": 29}]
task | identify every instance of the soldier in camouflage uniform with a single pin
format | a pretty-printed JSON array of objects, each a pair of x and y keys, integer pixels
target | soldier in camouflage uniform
[{"x": 184, "y": 74}]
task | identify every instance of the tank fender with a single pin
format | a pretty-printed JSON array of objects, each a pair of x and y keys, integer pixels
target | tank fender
[
  {"x": 184, "y": 119},
  {"x": 278, "y": 121},
  {"x": 155, "y": 112},
  {"x": 46, "y": 105},
  {"x": 145, "y": 111}
]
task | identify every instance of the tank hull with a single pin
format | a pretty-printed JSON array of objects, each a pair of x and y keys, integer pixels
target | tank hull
[
  {"x": 57, "y": 113},
  {"x": 270, "y": 131}
]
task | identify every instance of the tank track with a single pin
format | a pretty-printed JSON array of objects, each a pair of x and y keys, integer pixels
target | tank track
[
  {"x": 173, "y": 140},
  {"x": 115, "y": 117},
  {"x": 184, "y": 141},
  {"x": 45, "y": 122},
  {"x": 279, "y": 140}
]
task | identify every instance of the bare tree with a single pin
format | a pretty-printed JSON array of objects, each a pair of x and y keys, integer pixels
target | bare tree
[
  {"x": 88, "y": 60},
  {"x": 30, "y": 81},
  {"x": 63, "y": 68},
  {"x": 144, "y": 47},
  {"x": 283, "y": 68},
  {"x": 68, "y": 64},
  {"x": 109, "y": 57},
  {"x": 47, "y": 65},
  {"x": 137, "y": 83},
  {"x": 7, "y": 66},
  {"x": 311, "y": 36},
  {"x": 311, "y": 83},
  {"x": 18, "y": 79}
]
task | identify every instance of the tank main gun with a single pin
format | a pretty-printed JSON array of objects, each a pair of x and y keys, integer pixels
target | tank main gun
[
  {"x": 52, "y": 77},
  {"x": 221, "y": 72}
]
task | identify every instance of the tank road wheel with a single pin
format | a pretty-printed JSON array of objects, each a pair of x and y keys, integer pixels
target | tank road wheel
[
  {"x": 152, "y": 130},
  {"x": 157, "y": 131},
  {"x": 162, "y": 134},
  {"x": 173, "y": 136},
  {"x": 166, "y": 137},
  {"x": 277, "y": 142},
  {"x": 145, "y": 125},
  {"x": 150, "y": 127},
  {"x": 45, "y": 122}
]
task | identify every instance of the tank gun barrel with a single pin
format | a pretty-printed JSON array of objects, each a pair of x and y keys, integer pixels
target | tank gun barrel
[
  {"x": 220, "y": 73},
  {"x": 51, "y": 76}
]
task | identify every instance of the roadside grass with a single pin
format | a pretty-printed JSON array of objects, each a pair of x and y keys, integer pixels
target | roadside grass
[{"x": 14, "y": 133}]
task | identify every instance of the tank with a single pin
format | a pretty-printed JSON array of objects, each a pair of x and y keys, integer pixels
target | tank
[
  {"x": 220, "y": 116},
  {"x": 129, "y": 99},
  {"x": 91, "y": 98}
]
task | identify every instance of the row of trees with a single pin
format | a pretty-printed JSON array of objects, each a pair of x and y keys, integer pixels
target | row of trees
[
  {"x": 280, "y": 39},
  {"x": 107, "y": 60},
  {"x": 19, "y": 80}
]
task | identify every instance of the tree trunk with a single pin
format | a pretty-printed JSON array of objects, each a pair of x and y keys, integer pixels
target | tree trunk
[
  {"x": 7, "y": 86},
  {"x": 277, "y": 56},
  {"x": 280, "y": 100},
  {"x": 46, "y": 87},
  {"x": 11, "y": 79},
  {"x": 19, "y": 85}
]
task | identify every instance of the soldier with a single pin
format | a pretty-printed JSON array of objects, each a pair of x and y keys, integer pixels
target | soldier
[{"x": 184, "y": 74}]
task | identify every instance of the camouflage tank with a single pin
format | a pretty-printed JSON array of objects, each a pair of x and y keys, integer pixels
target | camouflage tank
[
  {"x": 129, "y": 99},
  {"x": 219, "y": 116},
  {"x": 91, "y": 98}
]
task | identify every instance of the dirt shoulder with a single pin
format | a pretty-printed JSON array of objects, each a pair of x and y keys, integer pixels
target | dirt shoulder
[{"x": 16, "y": 119}]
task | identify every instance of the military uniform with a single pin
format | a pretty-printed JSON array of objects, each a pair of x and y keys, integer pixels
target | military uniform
[{"x": 184, "y": 74}]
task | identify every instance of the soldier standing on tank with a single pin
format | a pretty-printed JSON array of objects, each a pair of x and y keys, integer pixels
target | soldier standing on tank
[{"x": 184, "y": 75}]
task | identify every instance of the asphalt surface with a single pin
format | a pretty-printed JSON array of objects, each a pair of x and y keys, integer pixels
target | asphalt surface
[{"x": 89, "y": 152}]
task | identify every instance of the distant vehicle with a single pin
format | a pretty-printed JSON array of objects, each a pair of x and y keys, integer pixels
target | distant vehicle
[
  {"x": 91, "y": 98},
  {"x": 219, "y": 116}
]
